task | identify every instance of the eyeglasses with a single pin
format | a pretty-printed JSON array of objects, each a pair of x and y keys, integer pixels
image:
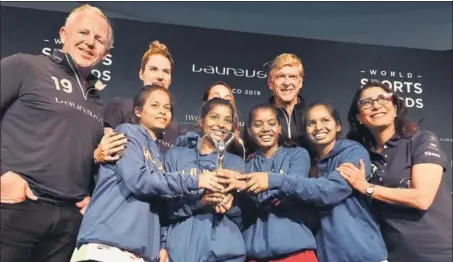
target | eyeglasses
[{"x": 381, "y": 99}]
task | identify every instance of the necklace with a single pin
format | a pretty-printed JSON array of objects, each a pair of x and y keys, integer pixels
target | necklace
[{"x": 148, "y": 156}]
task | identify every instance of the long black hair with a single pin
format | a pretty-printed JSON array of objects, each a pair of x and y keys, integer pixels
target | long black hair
[{"x": 360, "y": 133}]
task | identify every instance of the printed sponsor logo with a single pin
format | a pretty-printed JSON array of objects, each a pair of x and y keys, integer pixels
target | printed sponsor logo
[
  {"x": 406, "y": 84},
  {"x": 193, "y": 119},
  {"x": 406, "y": 182},
  {"x": 230, "y": 71},
  {"x": 82, "y": 109},
  {"x": 428, "y": 153}
]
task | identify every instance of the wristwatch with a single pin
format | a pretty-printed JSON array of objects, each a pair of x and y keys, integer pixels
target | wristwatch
[{"x": 370, "y": 190}]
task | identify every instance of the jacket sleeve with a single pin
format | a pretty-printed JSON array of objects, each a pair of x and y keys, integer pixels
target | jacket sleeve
[
  {"x": 180, "y": 207},
  {"x": 263, "y": 197},
  {"x": 145, "y": 181},
  {"x": 11, "y": 81},
  {"x": 329, "y": 189},
  {"x": 190, "y": 140}
]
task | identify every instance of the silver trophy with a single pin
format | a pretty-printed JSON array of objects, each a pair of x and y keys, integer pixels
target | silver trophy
[{"x": 221, "y": 146}]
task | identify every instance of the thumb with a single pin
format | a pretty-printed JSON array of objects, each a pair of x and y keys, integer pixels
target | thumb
[
  {"x": 361, "y": 165},
  {"x": 83, "y": 210},
  {"x": 30, "y": 193},
  {"x": 84, "y": 202}
]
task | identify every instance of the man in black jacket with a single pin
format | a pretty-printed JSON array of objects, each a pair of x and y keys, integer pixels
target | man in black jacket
[
  {"x": 51, "y": 122},
  {"x": 285, "y": 79}
]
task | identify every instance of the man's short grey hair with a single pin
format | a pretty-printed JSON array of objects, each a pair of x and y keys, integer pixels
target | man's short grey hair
[{"x": 89, "y": 8}]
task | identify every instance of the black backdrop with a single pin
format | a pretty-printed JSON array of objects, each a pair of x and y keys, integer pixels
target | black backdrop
[{"x": 332, "y": 70}]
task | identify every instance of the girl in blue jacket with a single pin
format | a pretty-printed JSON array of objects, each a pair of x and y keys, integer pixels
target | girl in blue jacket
[
  {"x": 121, "y": 222},
  {"x": 349, "y": 231},
  {"x": 275, "y": 226},
  {"x": 197, "y": 231}
]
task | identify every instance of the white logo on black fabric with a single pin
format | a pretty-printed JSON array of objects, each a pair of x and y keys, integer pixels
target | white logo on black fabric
[
  {"x": 433, "y": 146},
  {"x": 62, "y": 84},
  {"x": 406, "y": 183},
  {"x": 428, "y": 153},
  {"x": 80, "y": 108},
  {"x": 374, "y": 169}
]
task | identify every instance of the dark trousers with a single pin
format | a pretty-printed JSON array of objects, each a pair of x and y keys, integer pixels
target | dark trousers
[{"x": 37, "y": 231}]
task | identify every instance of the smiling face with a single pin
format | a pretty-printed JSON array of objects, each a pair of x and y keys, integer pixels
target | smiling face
[
  {"x": 86, "y": 38},
  {"x": 286, "y": 83},
  {"x": 220, "y": 91},
  {"x": 218, "y": 120},
  {"x": 321, "y": 127},
  {"x": 157, "y": 71},
  {"x": 376, "y": 109},
  {"x": 155, "y": 114},
  {"x": 265, "y": 129}
]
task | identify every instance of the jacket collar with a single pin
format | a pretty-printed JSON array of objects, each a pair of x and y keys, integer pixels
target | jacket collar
[
  {"x": 65, "y": 60},
  {"x": 300, "y": 101}
]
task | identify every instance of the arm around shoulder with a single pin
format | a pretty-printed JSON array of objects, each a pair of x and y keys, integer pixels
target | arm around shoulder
[{"x": 143, "y": 180}]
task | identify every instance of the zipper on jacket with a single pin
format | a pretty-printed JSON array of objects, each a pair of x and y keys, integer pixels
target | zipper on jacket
[
  {"x": 288, "y": 122},
  {"x": 77, "y": 73}
]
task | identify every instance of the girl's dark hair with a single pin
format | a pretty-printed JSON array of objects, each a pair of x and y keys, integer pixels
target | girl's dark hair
[
  {"x": 142, "y": 95},
  {"x": 282, "y": 140},
  {"x": 210, "y": 104},
  {"x": 334, "y": 113},
  {"x": 360, "y": 133}
]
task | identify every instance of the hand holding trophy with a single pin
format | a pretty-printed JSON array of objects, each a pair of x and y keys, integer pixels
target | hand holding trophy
[{"x": 220, "y": 201}]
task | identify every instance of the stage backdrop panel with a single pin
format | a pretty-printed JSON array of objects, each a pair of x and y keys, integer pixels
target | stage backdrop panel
[{"x": 333, "y": 70}]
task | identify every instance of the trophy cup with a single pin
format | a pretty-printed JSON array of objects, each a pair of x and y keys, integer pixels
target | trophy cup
[{"x": 221, "y": 146}]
